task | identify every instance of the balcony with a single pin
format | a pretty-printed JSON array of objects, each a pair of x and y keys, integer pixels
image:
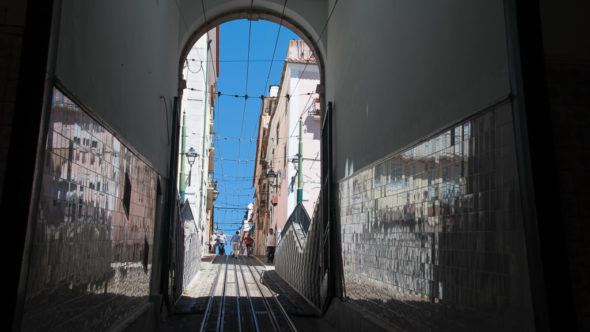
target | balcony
[
  {"x": 211, "y": 159},
  {"x": 316, "y": 110}
]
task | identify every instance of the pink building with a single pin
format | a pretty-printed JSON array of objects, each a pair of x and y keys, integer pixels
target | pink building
[{"x": 297, "y": 98}]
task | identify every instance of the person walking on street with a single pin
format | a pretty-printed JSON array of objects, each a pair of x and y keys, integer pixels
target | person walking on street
[
  {"x": 271, "y": 244},
  {"x": 249, "y": 240},
  {"x": 221, "y": 243},
  {"x": 213, "y": 242},
  {"x": 235, "y": 241}
]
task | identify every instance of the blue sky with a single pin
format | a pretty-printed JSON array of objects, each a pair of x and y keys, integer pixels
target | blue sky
[{"x": 235, "y": 178}]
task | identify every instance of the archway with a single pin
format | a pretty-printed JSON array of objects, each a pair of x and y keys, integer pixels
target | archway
[{"x": 253, "y": 14}]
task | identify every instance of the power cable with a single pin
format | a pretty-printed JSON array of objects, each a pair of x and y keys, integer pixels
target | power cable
[
  {"x": 239, "y": 60},
  {"x": 247, "y": 73},
  {"x": 245, "y": 96},
  {"x": 317, "y": 41},
  {"x": 275, "y": 47},
  {"x": 204, "y": 15}
]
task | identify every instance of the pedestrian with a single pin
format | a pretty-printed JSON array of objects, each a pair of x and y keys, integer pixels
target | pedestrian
[
  {"x": 271, "y": 244},
  {"x": 213, "y": 242},
  {"x": 248, "y": 240},
  {"x": 235, "y": 241},
  {"x": 221, "y": 243}
]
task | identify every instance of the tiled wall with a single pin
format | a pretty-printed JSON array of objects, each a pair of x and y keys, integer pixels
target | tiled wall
[
  {"x": 91, "y": 256},
  {"x": 298, "y": 260},
  {"x": 192, "y": 254},
  {"x": 432, "y": 236}
]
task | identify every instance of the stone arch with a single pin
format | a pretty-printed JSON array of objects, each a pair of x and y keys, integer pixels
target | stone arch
[{"x": 296, "y": 18}]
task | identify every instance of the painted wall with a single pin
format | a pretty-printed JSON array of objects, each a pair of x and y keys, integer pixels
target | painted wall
[
  {"x": 414, "y": 68},
  {"x": 298, "y": 80},
  {"x": 260, "y": 182},
  {"x": 119, "y": 59},
  {"x": 303, "y": 80},
  {"x": 276, "y": 151},
  {"x": 196, "y": 105}
]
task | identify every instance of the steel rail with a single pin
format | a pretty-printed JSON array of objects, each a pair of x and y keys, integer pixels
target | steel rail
[
  {"x": 283, "y": 311},
  {"x": 222, "y": 302},
  {"x": 248, "y": 294},
  {"x": 237, "y": 296},
  {"x": 211, "y": 293},
  {"x": 273, "y": 318}
]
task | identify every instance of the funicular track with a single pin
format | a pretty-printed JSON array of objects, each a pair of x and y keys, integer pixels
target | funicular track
[{"x": 240, "y": 301}]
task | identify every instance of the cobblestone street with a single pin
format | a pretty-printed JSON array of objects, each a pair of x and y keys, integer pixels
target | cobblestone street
[{"x": 241, "y": 294}]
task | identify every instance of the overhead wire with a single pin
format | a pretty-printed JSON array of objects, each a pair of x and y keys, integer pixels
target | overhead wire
[
  {"x": 317, "y": 41},
  {"x": 204, "y": 14},
  {"x": 239, "y": 60},
  {"x": 300, "y": 115},
  {"x": 247, "y": 74},
  {"x": 275, "y": 47},
  {"x": 188, "y": 67},
  {"x": 246, "y": 96},
  {"x": 252, "y": 139},
  {"x": 269, "y": 71}
]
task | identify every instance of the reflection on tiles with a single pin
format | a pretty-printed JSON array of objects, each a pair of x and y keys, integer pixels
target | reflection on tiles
[
  {"x": 91, "y": 257},
  {"x": 432, "y": 237}
]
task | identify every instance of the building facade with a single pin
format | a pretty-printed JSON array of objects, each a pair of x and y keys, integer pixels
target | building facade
[
  {"x": 295, "y": 110},
  {"x": 260, "y": 211},
  {"x": 200, "y": 73}
]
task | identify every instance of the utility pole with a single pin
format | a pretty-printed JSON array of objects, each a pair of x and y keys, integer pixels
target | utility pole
[
  {"x": 299, "y": 180},
  {"x": 182, "y": 180}
]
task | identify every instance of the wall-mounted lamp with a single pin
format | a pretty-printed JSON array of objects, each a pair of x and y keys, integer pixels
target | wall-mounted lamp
[{"x": 191, "y": 156}]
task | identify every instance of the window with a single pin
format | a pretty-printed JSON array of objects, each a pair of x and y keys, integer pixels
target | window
[{"x": 127, "y": 195}]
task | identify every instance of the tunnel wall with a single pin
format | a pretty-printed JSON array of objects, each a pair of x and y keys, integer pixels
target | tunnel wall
[
  {"x": 432, "y": 236},
  {"x": 120, "y": 59},
  {"x": 435, "y": 239},
  {"x": 398, "y": 71},
  {"x": 91, "y": 253}
]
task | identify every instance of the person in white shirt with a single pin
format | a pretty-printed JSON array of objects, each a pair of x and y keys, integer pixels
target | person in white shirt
[
  {"x": 271, "y": 244},
  {"x": 212, "y": 242},
  {"x": 235, "y": 241},
  {"x": 221, "y": 243}
]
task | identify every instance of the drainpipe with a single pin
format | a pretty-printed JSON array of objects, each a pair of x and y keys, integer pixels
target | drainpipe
[
  {"x": 299, "y": 181},
  {"x": 204, "y": 137},
  {"x": 182, "y": 180}
]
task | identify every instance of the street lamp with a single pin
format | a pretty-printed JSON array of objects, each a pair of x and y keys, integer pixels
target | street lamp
[
  {"x": 295, "y": 162},
  {"x": 272, "y": 176},
  {"x": 191, "y": 156}
]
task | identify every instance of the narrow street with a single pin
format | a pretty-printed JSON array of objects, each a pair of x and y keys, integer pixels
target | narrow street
[{"x": 241, "y": 294}]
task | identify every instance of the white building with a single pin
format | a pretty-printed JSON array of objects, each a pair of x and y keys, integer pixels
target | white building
[
  {"x": 297, "y": 98},
  {"x": 200, "y": 72}
]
